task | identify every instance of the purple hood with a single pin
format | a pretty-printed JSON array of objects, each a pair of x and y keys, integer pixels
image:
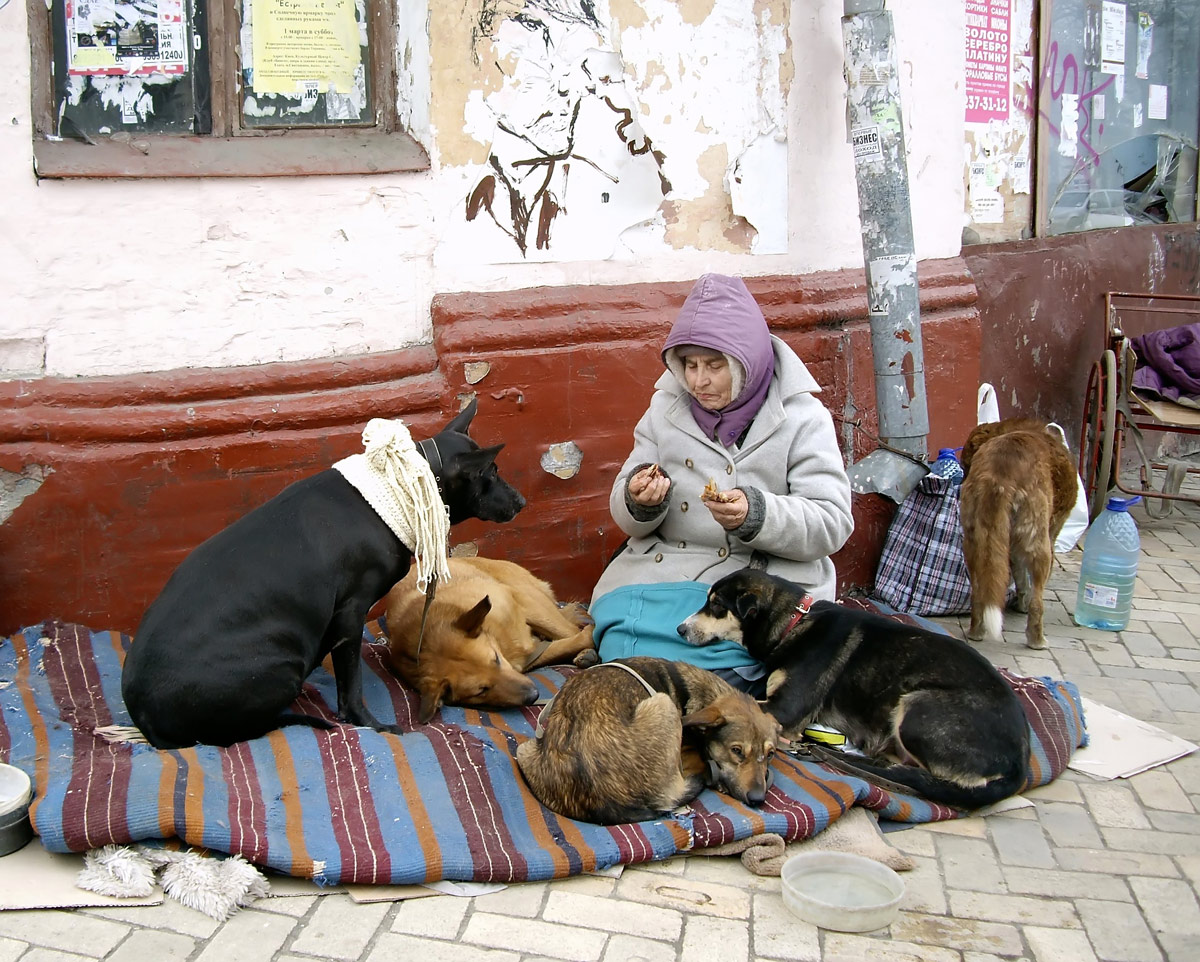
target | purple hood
[{"x": 721, "y": 314}]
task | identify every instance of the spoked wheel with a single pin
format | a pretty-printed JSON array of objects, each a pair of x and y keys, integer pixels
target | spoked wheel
[{"x": 1098, "y": 434}]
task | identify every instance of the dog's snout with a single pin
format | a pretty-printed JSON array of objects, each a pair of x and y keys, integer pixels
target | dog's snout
[
  {"x": 682, "y": 630},
  {"x": 531, "y": 697},
  {"x": 756, "y": 796}
]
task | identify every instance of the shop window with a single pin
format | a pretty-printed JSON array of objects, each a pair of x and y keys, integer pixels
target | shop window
[
  {"x": 1118, "y": 113},
  {"x": 167, "y": 88}
]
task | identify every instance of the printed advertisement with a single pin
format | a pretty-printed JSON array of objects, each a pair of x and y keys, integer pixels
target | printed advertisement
[
  {"x": 124, "y": 37},
  {"x": 989, "y": 41},
  {"x": 302, "y": 47}
]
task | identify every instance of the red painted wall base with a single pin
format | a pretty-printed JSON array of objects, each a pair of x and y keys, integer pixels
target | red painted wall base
[{"x": 107, "y": 483}]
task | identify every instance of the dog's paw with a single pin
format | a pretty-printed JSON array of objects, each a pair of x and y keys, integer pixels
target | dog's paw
[
  {"x": 587, "y": 658},
  {"x": 1036, "y": 643}
]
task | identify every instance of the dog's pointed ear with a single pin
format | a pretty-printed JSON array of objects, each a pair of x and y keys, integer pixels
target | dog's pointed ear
[
  {"x": 433, "y": 695},
  {"x": 707, "y": 717},
  {"x": 470, "y": 622},
  {"x": 746, "y": 605},
  {"x": 462, "y": 421}
]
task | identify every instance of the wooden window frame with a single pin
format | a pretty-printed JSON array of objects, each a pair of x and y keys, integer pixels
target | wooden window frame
[{"x": 230, "y": 150}]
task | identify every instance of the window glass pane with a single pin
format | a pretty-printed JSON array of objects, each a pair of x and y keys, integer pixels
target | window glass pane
[
  {"x": 305, "y": 63},
  {"x": 129, "y": 65},
  {"x": 1118, "y": 103}
]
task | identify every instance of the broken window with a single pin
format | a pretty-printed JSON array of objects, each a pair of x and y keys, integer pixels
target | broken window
[
  {"x": 217, "y": 87},
  {"x": 1119, "y": 113}
]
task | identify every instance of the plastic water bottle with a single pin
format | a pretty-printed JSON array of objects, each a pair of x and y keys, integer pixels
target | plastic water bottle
[
  {"x": 1110, "y": 561},
  {"x": 947, "y": 465}
]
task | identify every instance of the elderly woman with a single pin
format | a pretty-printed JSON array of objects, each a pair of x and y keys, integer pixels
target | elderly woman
[{"x": 736, "y": 412}]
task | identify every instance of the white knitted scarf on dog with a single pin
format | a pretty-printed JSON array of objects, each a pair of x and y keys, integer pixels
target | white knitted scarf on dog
[{"x": 399, "y": 484}]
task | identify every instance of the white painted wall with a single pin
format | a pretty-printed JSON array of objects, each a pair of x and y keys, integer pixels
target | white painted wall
[{"x": 108, "y": 277}]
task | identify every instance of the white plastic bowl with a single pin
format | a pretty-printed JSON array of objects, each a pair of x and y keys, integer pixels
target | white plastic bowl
[
  {"x": 16, "y": 790},
  {"x": 840, "y": 891}
]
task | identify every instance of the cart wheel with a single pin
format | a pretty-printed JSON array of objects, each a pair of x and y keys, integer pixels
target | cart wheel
[{"x": 1099, "y": 433}]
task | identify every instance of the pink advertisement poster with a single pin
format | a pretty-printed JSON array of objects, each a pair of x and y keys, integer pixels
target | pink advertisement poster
[{"x": 988, "y": 60}]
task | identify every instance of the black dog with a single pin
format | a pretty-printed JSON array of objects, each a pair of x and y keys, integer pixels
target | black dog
[
  {"x": 930, "y": 713},
  {"x": 249, "y": 614}
]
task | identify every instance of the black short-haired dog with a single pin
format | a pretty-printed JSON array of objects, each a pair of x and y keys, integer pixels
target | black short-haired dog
[
  {"x": 929, "y": 712},
  {"x": 223, "y": 651}
]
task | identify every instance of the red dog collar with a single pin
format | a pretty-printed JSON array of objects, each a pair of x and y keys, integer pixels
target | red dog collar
[{"x": 801, "y": 610}]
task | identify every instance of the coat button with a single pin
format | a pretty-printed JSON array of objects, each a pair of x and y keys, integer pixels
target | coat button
[
  {"x": 658, "y": 557},
  {"x": 689, "y": 463},
  {"x": 683, "y": 507},
  {"x": 729, "y": 469},
  {"x": 721, "y": 553},
  {"x": 683, "y": 544}
]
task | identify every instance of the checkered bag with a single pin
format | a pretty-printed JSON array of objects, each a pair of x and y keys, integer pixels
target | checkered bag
[{"x": 922, "y": 570}]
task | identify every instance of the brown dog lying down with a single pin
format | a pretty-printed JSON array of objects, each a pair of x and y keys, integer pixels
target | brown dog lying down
[
  {"x": 488, "y": 625},
  {"x": 624, "y": 744},
  {"x": 1019, "y": 489}
]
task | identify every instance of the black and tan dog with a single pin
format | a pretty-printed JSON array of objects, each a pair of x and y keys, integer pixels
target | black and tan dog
[
  {"x": 489, "y": 624},
  {"x": 625, "y": 744},
  {"x": 930, "y": 713},
  {"x": 225, "y": 648}
]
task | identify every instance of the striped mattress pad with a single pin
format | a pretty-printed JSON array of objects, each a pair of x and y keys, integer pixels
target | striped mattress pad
[{"x": 444, "y": 801}]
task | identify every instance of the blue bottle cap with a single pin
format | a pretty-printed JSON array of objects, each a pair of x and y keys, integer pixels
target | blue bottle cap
[{"x": 1122, "y": 504}]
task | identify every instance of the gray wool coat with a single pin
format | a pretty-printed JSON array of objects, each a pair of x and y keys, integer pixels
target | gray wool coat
[{"x": 790, "y": 455}]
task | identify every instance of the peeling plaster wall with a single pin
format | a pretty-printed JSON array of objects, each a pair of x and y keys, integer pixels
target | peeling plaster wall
[{"x": 737, "y": 105}]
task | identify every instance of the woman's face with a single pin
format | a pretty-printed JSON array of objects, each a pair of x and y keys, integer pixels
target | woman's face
[{"x": 709, "y": 380}]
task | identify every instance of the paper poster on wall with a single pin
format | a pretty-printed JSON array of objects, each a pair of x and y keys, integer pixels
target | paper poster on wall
[
  {"x": 988, "y": 65},
  {"x": 125, "y": 37},
  {"x": 866, "y": 143},
  {"x": 1156, "y": 107},
  {"x": 1112, "y": 37},
  {"x": 1145, "y": 43},
  {"x": 298, "y": 42},
  {"x": 1018, "y": 172}
]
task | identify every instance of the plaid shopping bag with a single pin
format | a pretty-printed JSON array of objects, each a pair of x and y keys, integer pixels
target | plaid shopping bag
[{"x": 922, "y": 570}]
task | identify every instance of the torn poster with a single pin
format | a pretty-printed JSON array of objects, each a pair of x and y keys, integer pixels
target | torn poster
[
  {"x": 125, "y": 37},
  {"x": 301, "y": 43},
  {"x": 1145, "y": 43},
  {"x": 988, "y": 42},
  {"x": 1156, "y": 107}
]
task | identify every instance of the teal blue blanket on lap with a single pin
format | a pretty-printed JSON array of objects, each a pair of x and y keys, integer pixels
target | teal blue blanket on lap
[{"x": 642, "y": 620}]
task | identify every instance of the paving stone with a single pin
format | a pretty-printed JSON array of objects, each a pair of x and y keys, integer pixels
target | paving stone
[
  {"x": 1062, "y": 789},
  {"x": 729, "y": 870},
  {"x": 1069, "y": 826},
  {"x": 171, "y": 915},
  {"x": 689, "y": 896},
  {"x": 10, "y": 949},
  {"x": 586, "y": 885},
  {"x": 1188, "y": 864},
  {"x": 248, "y": 936},
  {"x": 1020, "y": 842},
  {"x": 1187, "y": 823},
  {"x": 146, "y": 944},
  {"x": 1019, "y": 909},
  {"x": 522, "y": 898},
  {"x": 611, "y": 915},
  {"x": 1167, "y": 843},
  {"x": 64, "y": 931},
  {"x": 843, "y": 947},
  {"x": 779, "y": 934},
  {"x": 531, "y": 936},
  {"x": 625, "y": 948},
  {"x": 1066, "y": 885},
  {"x": 390, "y": 947},
  {"x": 924, "y": 890},
  {"x": 1169, "y": 907},
  {"x": 962, "y": 827},
  {"x": 961, "y": 934},
  {"x": 1117, "y": 931},
  {"x": 703, "y": 934},
  {"x": 970, "y": 864},
  {"x": 1114, "y": 806},
  {"x": 1116, "y": 863},
  {"x": 1143, "y": 643},
  {"x": 1158, "y": 788},
  {"x": 439, "y": 917},
  {"x": 1059, "y": 945},
  {"x": 297, "y": 906},
  {"x": 913, "y": 841},
  {"x": 340, "y": 928},
  {"x": 53, "y": 955}
]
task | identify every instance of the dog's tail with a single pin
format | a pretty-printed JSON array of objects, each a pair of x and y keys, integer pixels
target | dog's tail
[
  {"x": 987, "y": 524},
  {"x": 918, "y": 781},
  {"x": 294, "y": 718}
]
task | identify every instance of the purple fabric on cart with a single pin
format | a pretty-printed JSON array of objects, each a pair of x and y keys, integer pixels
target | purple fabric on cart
[{"x": 1168, "y": 364}]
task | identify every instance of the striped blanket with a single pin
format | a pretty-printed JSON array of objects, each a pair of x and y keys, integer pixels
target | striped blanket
[{"x": 444, "y": 801}]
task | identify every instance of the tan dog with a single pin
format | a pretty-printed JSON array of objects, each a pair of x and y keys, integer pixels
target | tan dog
[
  {"x": 1018, "y": 490},
  {"x": 488, "y": 625},
  {"x": 622, "y": 746}
]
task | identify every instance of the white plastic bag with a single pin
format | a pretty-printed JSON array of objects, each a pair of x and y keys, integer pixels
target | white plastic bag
[
  {"x": 989, "y": 410},
  {"x": 1077, "y": 521}
]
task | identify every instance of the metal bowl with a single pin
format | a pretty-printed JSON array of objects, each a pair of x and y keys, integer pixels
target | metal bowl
[
  {"x": 16, "y": 791},
  {"x": 840, "y": 891}
]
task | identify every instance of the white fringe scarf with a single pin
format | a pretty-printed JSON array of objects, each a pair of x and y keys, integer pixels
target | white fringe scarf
[{"x": 399, "y": 484}]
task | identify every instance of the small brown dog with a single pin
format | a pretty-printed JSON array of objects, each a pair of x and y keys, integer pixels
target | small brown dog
[
  {"x": 1019, "y": 488},
  {"x": 488, "y": 625},
  {"x": 630, "y": 739}
]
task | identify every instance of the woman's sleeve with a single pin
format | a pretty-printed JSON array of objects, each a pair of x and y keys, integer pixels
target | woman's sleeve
[
  {"x": 813, "y": 520},
  {"x": 636, "y": 520}
]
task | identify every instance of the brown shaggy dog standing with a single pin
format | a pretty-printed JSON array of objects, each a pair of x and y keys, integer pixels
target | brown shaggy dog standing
[{"x": 1018, "y": 490}]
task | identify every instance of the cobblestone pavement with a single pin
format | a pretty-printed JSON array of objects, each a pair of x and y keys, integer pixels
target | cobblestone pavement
[{"x": 1095, "y": 870}]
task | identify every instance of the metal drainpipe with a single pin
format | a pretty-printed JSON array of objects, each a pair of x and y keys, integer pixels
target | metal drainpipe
[{"x": 880, "y": 168}]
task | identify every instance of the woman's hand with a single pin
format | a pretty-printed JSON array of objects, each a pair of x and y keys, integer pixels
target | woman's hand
[
  {"x": 649, "y": 486},
  {"x": 731, "y": 513}
]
